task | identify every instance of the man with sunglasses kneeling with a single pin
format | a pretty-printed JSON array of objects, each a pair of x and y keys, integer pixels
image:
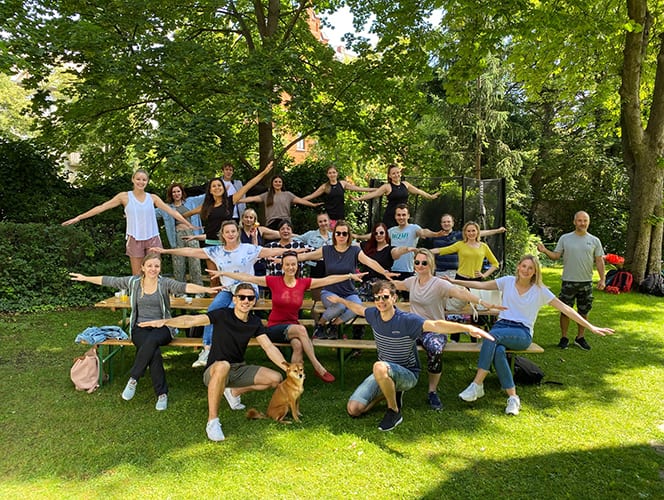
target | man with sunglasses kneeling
[
  {"x": 398, "y": 365},
  {"x": 226, "y": 372}
]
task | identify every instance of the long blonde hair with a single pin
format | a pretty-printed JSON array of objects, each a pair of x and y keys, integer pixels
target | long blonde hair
[{"x": 536, "y": 279}]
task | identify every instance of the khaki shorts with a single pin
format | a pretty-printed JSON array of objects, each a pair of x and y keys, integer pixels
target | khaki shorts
[
  {"x": 240, "y": 375},
  {"x": 139, "y": 248}
]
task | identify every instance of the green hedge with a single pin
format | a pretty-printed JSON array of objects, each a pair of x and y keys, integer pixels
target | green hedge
[{"x": 35, "y": 260}]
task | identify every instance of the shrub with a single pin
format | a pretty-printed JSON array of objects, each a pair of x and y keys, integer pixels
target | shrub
[
  {"x": 519, "y": 241},
  {"x": 37, "y": 257}
]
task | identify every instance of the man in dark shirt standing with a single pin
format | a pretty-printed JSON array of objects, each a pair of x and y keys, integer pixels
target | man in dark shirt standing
[{"x": 226, "y": 372}]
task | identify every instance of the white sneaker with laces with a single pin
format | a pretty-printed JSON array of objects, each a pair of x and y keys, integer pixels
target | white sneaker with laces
[
  {"x": 233, "y": 401},
  {"x": 129, "y": 390},
  {"x": 202, "y": 359},
  {"x": 213, "y": 429},
  {"x": 472, "y": 392},
  {"x": 513, "y": 405},
  {"x": 162, "y": 402}
]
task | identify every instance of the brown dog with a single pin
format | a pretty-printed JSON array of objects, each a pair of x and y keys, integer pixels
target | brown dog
[{"x": 286, "y": 396}]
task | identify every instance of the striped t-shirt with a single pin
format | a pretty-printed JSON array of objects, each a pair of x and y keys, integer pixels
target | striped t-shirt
[{"x": 395, "y": 339}]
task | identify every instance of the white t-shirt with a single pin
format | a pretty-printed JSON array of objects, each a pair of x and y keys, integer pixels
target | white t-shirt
[
  {"x": 522, "y": 308},
  {"x": 239, "y": 260}
]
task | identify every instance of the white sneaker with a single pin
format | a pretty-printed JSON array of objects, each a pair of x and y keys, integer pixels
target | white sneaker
[
  {"x": 233, "y": 401},
  {"x": 472, "y": 392},
  {"x": 162, "y": 402},
  {"x": 213, "y": 429},
  {"x": 202, "y": 359},
  {"x": 513, "y": 405},
  {"x": 129, "y": 390}
]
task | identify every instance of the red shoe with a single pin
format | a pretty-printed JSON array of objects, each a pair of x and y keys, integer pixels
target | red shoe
[{"x": 326, "y": 377}]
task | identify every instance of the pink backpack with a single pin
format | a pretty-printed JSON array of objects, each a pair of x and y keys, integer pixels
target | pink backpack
[{"x": 85, "y": 371}]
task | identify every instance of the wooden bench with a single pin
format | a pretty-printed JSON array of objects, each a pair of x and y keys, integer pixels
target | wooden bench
[{"x": 107, "y": 350}]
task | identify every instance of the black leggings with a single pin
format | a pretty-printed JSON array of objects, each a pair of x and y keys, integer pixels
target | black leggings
[{"x": 148, "y": 354}]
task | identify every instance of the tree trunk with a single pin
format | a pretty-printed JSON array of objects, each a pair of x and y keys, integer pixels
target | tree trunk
[
  {"x": 642, "y": 148},
  {"x": 265, "y": 143}
]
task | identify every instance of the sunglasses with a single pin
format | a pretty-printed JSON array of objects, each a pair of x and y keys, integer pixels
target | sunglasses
[
  {"x": 248, "y": 298},
  {"x": 380, "y": 232},
  {"x": 378, "y": 298},
  {"x": 341, "y": 233},
  {"x": 421, "y": 263}
]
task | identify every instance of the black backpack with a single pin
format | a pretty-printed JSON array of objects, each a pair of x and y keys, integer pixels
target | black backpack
[
  {"x": 653, "y": 284},
  {"x": 526, "y": 372}
]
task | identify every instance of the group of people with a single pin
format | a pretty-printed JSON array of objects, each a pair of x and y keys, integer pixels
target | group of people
[{"x": 240, "y": 261}]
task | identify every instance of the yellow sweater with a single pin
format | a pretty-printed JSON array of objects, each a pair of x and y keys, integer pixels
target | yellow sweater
[{"x": 470, "y": 258}]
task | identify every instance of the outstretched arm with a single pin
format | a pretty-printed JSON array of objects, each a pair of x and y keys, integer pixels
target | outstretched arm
[
  {"x": 356, "y": 308},
  {"x": 397, "y": 252},
  {"x": 464, "y": 294},
  {"x": 197, "y": 253},
  {"x": 159, "y": 203},
  {"x": 258, "y": 280},
  {"x": 95, "y": 280},
  {"x": 428, "y": 233},
  {"x": 237, "y": 197},
  {"x": 352, "y": 187},
  {"x": 193, "y": 288},
  {"x": 250, "y": 199},
  {"x": 306, "y": 203},
  {"x": 491, "y": 232},
  {"x": 384, "y": 189},
  {"x": 577, "y": 318},
  {"x": 116, "y": 201},
  {"x": 415, "y": 190},
  {"x": 480, "y": 285},
  {"x": 336, "y": 278},
  {"x": 369, "y": 262},
  {"x": 319, "y": 192},
  {"x": 444, "y": 326},
  {"x": 184, "y": 321},
  {"x": 315, "y": 255}
]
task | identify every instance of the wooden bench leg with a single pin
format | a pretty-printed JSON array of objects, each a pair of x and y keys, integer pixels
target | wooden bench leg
[
  {"x": 342, "y": 362},
  {"x": 106, "y": 353}
]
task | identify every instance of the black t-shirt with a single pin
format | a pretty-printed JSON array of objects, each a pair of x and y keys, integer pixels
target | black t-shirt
[
  {"x": 217, "y": 215},
  {"x": 230, "y": 335}
]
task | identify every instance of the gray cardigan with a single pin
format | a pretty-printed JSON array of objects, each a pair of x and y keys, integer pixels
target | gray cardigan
[{"x": 166, "y": 287}]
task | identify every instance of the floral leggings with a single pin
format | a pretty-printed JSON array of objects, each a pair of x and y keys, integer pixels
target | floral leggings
[{"x": 433, "y": 344}]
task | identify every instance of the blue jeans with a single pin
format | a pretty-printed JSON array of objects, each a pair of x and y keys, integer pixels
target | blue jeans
[
  {"x": 338, "y": 310},
  {"x": 222, "y": 299},
  {"x": 368, "y": 390},
  {"x": 508, "y": 335}
]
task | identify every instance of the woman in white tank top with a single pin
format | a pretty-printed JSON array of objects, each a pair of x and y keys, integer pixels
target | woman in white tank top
[{"x": 142, "y": 229}]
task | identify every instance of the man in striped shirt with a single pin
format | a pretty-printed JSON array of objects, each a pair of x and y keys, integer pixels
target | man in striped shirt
[{"x": 398, "y": 365}]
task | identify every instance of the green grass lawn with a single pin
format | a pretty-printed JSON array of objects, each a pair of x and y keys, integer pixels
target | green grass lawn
[{"x": 599, "y": 435}]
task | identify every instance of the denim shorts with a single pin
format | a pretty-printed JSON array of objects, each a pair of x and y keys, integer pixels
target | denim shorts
[{"x": 404, "y": 379}]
